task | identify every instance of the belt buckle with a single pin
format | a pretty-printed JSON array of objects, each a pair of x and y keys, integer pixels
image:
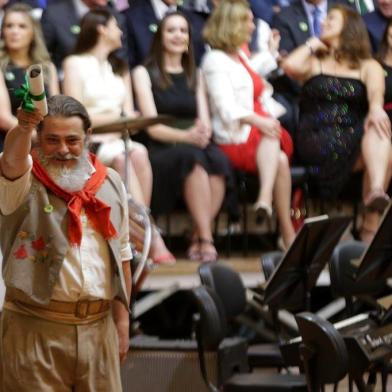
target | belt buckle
[{"x": 81, "y": 310}]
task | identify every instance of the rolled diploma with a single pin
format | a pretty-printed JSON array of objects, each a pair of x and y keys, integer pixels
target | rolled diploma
[{"x": 36, "y": 83}]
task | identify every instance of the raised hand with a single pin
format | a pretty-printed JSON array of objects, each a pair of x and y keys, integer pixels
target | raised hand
[{"x": 28, "y": 121}]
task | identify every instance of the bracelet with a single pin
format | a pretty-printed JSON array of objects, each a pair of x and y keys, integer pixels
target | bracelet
[{"x": 307, "y": 44}]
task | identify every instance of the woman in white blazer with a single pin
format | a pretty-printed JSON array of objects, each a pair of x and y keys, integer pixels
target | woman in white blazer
[{"x": 253, "y": 140}]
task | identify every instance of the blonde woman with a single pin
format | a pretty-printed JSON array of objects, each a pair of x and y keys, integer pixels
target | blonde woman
[
  {"x": 23, "y": 46},
  {"x": 253, "y": 140}
]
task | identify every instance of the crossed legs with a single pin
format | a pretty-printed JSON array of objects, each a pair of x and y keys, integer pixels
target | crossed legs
[
  {"x": 203, "y": 196},
  {"x": 275, "y": 179}
]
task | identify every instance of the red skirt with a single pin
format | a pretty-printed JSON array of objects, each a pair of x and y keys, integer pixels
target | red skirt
[{"x": 243, "y": 155}]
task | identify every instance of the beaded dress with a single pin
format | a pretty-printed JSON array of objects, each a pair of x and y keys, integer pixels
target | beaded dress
[{"x": 332, "y": 113}]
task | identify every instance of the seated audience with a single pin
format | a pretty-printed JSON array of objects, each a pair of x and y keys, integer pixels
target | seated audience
[
  {"x": 142, "y": 18},
  {"x": 101, "y": 82},
  {"x": 253, "y": 140},
  {"x": 385, "y": 58},
  {"x": 343, "y": 126},
  {"x": 185, "y": 163},
  {"x": 60, "y": 24},
  {"x": 23, "y": 46}
]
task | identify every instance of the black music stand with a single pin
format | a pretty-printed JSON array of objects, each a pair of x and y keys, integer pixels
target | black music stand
[
  {"x": 290, "y": 284},
  {"x": 376, "y": 262}
]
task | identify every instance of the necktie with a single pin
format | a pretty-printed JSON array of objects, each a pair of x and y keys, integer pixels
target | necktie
[
  {"x": 362, "y": 7},
  {"x": 316, "y": 21}
]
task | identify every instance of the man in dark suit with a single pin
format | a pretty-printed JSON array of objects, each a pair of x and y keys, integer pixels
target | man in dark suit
[
  {"x": 376, "y": 21},
  {"x": 142, "y": 18},
  {"x": 60, "y": 25},
  {"x": 296, "y": 22}
]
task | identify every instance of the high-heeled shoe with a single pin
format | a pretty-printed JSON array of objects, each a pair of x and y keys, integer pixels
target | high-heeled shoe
[
  {"x": 263, "y": 211},
  {"x": 377, "y": 200}
]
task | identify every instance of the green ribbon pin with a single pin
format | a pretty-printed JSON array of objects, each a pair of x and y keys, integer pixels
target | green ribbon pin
[
  {"x": 153, "y": 27},
  {"x": 48, "y": 208},
  {"x": 23, "y": 93},
  {"x": 303, "y": 26}
]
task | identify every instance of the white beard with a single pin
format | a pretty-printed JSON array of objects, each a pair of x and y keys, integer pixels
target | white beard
[{"x": 71, "y": 179}]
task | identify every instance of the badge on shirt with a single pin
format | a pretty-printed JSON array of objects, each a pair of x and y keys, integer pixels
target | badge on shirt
[
  {"x": 75, "y": 29},
  {"x": 10, "y": 76},
  {"x": 303, "y": 26},
  {"x": 153, "y": 27},
  {"x": 48, "y": 209}
]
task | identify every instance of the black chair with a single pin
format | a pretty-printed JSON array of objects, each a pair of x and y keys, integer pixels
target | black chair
[
  {"x": 210, "y": 327},
  {"x": 322, "y": 351},
  {"x": 342, "y": 270},
  {"x": 228, "y": 286},
  {"x": 269, "y": 261},
  {"x": 343, "y": 284}
]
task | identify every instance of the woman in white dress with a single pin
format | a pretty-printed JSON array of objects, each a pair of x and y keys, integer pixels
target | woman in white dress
[{"x": 101, "y": 82}]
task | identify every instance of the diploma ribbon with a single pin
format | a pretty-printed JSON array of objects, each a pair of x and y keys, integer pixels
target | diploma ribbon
[{"x": 23, "y": 93}]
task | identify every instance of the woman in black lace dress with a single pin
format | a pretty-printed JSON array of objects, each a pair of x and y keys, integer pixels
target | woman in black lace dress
[
  {"x": 343, "y": 126},
  {"x": 185, "y": 163}
]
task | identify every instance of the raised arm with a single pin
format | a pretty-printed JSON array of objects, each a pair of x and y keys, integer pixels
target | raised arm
[
  {"x": 373, "y": 77},
  {"x": 14, "y": 161},
  {"x": 301, "y": 63}
]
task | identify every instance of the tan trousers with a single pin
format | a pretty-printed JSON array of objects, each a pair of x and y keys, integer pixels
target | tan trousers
[{"x": 43, "y": 356}]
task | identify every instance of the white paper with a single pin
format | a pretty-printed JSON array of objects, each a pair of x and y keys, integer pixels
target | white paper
[{"x": 36, "y": 83}]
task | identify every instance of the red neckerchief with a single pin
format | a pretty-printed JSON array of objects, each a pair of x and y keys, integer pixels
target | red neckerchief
[{"x": 98, "y": 213}]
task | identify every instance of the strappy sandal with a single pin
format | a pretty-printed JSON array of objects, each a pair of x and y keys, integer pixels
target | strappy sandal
[
  {"x": 208, "y": 256},
  {"x": 193, "y": 252}
]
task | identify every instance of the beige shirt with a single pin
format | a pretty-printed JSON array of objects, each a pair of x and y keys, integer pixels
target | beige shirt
[{"x": 86, "y": 272}]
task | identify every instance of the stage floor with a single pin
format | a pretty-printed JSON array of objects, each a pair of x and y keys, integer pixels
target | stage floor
[{"x": 184, "y": 273}]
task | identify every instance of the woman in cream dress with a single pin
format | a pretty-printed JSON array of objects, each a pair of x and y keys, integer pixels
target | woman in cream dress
[{"x": 101, "y": 82}]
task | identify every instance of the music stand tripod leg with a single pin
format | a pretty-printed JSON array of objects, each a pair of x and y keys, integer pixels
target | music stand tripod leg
[{"x": 125, "y": 139}]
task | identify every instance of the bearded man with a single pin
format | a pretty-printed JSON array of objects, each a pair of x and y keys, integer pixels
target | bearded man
[{"x": 64, "y": 239}]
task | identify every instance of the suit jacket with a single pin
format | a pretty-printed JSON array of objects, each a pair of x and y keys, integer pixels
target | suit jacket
[
  {"x": 262, "y": 9},
  {"x": 141, "y": 23},
  {"x": 293, "y": 25},
  {"x": 60, "y": 28},
  {"x": 376, "y": 23}
]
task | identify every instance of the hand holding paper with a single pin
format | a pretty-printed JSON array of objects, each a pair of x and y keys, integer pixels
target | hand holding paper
[{"x": 32, "y": 92}]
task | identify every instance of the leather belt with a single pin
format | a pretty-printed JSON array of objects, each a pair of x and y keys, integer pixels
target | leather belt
[{"x": 80, "y": 309}]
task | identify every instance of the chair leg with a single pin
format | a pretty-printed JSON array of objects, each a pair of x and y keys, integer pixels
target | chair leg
[
  {"x": 384, "y": 379},
  {"x": 245, "y": 230}
]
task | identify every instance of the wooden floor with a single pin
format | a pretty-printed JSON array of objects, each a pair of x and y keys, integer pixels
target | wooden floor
[{"x": 184, "y": 273}]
